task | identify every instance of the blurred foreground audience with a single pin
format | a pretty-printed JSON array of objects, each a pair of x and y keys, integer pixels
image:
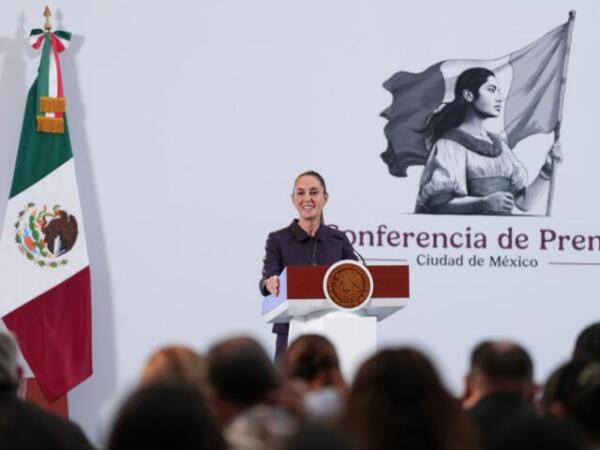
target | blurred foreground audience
[
  {"x": 235, "y": 399},
  {"x": 24, "y": 426}
]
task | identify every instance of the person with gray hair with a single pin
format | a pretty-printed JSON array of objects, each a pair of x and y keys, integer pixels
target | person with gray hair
[
  {"x": 9, "y": 367},
  {"x": 24, "y": 426}
]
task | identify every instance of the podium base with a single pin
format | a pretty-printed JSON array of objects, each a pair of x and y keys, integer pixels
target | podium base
[{"x": 353, "y": 335}]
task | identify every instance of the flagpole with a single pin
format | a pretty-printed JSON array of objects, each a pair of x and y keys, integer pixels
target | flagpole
[{"x": 561, "y": 99}]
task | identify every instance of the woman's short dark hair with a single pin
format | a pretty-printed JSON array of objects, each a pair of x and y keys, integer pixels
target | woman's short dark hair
[{"x": 452, "y": 114}]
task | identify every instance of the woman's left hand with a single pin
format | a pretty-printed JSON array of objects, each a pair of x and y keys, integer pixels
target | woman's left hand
[
  {"x": 555, "y": 153},
  {"x": 553, "y": 157}
]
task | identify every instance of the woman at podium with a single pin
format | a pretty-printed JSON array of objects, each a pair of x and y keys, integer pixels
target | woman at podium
[{"x": 306, "y": 241}]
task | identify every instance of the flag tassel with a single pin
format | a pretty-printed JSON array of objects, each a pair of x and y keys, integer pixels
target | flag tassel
[
  {"x": 51, "y": 125},
  {"x": 52, "y": 104}
]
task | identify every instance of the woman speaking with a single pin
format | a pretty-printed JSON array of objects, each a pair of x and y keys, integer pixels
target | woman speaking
[{"x": 306, "y": 241}]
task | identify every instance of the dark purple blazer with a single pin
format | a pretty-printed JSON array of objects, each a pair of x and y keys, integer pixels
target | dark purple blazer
[{"x": 292, "y": 246}]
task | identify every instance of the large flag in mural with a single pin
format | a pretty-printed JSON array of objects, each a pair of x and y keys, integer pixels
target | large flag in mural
[
  {"x": 45, "y": 299},
  {"x": 531, "y": 78}
]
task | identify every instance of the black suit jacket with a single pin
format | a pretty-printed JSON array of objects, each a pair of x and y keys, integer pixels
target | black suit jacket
[{"x": 292, "y": 246}]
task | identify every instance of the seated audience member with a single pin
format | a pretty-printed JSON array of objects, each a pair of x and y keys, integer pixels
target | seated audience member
[
  {"x": 499, "y": 385},
  {"x": 535, "y": 433},
  {"x": 550, "y": 405},
  {"x": 576, "y": 398},
  {"x": 243, "y": 380},
  {"x": 318, "y": 437},
  {"x": 397, "y": 401},
  {"x": 176, "y": 365},
  {"x": 312, "y": 360},
  {"x": 159, "y": 417},
  {"x": 24, "y": 426},
  {"x": 170, "y": 365},
  {"x": 587, "y": 345}
]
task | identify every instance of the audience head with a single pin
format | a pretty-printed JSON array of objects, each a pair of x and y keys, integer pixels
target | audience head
[
  {"x": 313, "y": 358},
  {"x": 536, "y": 433},
  {"x": 165, "y": 416},
  {"x": 551, "y": 406},
  {"x": 240, "y": 374},
  {"x": 587, "y": 345},
  {"x": 176, "y": 365},
  {"x": 577, "y": 396},
  {"x": 311, "y": 363},
  {"x": 398, "y": 401},
  {"x": 9, "y": 367},
  {"x": 499, "y": 366}
]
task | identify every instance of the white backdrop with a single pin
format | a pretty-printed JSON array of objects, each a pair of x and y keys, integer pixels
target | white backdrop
[{"x": 190, "y": 121}]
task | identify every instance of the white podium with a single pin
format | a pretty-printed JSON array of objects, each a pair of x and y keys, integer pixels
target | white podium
[{"x": 303, "y": 302}]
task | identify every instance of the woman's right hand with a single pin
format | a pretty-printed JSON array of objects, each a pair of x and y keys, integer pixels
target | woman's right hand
[
  {"x": 272, "y": 285},
  {"x": 498, "y": 202}
]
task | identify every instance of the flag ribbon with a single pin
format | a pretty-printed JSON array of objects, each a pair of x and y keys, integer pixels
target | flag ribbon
[{"x": 50, "y": 107}]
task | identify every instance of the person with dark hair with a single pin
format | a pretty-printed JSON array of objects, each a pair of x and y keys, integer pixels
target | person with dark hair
[
  {"x": 397, "y": 401},
  {"x": 24, "y": 426},
  {"x": 243, "y": 382},
  {"x": 550, "y": 405},
  {"x": 306, "y": 241},
  {"x": 469, "y": 169},
  {"x": 576, "y": 398},
  {"x": 499, "y": 386},
  {"x": 587, "y": 345},
  {"x": 313, "y": 360},
  {"x": 166, "y": 417}
]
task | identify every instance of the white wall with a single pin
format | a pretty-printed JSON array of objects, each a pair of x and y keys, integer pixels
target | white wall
[{"x": 189, "y": 122}]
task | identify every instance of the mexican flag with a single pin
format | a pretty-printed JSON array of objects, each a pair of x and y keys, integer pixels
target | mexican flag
[
  {"x": 45, "y": 299},
  {"x": 532, "y": 79}
]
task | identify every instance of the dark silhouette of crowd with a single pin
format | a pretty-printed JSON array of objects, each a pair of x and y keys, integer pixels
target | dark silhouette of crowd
[{"x": 236, "y": 398}]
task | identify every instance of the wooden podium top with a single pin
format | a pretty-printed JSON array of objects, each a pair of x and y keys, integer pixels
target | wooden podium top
[
  {"x": 307, "y": 281},
  {"x": 301, "y": 293}
]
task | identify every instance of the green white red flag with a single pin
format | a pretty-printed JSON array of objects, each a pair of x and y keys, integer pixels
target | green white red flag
[{"x": 45, "y": 298}]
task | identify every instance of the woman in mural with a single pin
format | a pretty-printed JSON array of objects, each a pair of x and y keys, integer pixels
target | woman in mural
[
  {"x": 471, "y": 170},
  {"x": 306, "y": 241}
]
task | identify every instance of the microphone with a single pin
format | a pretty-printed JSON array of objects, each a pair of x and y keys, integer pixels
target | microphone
[
  {"x": 314, "y": 251},
  {"x": 362, "y": 260}
]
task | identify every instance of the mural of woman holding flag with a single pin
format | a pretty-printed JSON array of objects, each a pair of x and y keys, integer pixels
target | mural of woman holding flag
[
  {"x": 440, "y": 117},
  {"x": 469, "y": 169}
]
